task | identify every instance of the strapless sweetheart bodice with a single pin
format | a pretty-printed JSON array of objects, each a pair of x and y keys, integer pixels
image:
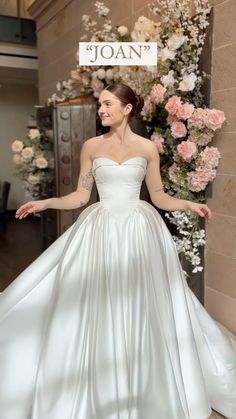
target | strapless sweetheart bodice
[{"x": 119, "y": 183}]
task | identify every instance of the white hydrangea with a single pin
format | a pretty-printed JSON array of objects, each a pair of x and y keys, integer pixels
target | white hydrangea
[
  {"x": 168, "y": 80},
  {"x": 166, "y": 54},
  {"x": 175, "y": 41},
  {"x": 102, "y": 10}
]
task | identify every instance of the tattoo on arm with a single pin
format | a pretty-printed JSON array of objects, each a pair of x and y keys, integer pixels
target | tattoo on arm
[{"x": 87, "y": 181}]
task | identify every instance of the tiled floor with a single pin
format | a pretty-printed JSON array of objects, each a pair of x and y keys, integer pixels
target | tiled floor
[{"x": 19, "y": 246}]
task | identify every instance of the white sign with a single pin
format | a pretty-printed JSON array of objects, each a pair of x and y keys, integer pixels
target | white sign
[{"x": 117, "y": 53}]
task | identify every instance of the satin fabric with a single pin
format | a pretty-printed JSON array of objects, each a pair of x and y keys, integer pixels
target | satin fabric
[{"x": 103, "y": 325}]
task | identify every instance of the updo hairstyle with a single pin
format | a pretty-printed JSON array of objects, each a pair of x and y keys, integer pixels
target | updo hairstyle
[{"x": 127, "y": 95}]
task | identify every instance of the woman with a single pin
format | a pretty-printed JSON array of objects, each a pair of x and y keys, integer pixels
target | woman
[{"x": 103, "y": 325}]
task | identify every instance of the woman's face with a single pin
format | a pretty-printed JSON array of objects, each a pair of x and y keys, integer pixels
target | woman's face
[{"x": 111, "y": 111}]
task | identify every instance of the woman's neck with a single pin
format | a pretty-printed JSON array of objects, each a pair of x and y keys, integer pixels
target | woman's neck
[{"x": 120, "y": 134}]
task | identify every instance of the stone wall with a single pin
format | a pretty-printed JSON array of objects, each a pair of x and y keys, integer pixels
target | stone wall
[
  {"x": 220, "y": 272},
  {"x": 59, "y": 30}
]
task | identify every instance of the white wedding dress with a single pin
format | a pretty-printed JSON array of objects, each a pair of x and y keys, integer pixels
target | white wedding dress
[{"x": 103, "y": 325}]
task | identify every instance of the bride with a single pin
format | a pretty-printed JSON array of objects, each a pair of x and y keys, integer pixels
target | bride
[{"x": 103, "y": 325}]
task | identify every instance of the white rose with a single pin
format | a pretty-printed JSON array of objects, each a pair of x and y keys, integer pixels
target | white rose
[
  {"x": 41, "y": 162},
  {"x": 122, "y": 30},
  {"x": 175, "y": 41},
  {"x": 166, "y": 54},
  {"x": 17, "y": 159},
  {"x": 17, "y": 146},
  {"x": 27, "y": 153},
  {"x": 33, "y": 179},
  {"x": 101, "y": 73},
  {"x": 145, "y": 30},
  {"x": 58, "y": 86},
  {"x": 33, "y": 133},
  {"x": 188, "y": 82},
  {"x": 110, "y": 74},
  {"x": 168, "y": 80}
]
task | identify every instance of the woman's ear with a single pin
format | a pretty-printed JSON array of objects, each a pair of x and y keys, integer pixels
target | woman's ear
[{"x": 128, "y": 108}]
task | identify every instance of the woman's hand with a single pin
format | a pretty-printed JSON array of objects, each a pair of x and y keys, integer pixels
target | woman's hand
[
  {"x": 200, "y": 209},
  {"x": 30, "y": 207}
]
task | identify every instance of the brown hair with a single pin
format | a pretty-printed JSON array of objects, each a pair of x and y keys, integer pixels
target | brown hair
[{"x": 127, "y": 95}]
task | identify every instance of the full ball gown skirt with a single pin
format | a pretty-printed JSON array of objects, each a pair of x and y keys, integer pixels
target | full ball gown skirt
[{"x": 103, "y": 325}]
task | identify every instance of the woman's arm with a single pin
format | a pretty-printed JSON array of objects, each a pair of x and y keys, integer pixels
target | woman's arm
[
  {"x": 76, "y": 199},
  {"x": 161, "y": 199}
]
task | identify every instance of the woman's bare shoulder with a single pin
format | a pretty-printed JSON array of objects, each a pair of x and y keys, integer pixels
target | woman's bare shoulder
[
  {"x": 93, "y": 140},
  {"x": 147, "y": 145},
  {"x": 90, "y": 143}
]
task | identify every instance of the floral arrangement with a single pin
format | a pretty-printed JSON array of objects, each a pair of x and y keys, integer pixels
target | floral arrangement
[
  {"x": 177, "y": 119},
  {"x": 34, "y": 161}
]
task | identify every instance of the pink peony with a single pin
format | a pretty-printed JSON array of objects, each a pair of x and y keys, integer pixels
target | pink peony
[
  {"x": 185, "y": 111},
  {"x": 214, "y": 119},
  {"x": 199, "y": 179},
  {"x": 178, "y": 130},
  {"x": 187, "y": 150},
  {"x": 158, "y": 141},
  {"x": 157, "y": 93},
  {"x": 197, "y": 119},
  {"x": 173, "y": 105}
]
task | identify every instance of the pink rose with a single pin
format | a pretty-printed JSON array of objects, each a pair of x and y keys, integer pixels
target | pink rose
[
  {"x": 178, "y": 130},
  {"x": 214, "y": 119},
  {"x": 187, "y": 150},
  {"x": 157, "y": 93},
  {"x": 158, "y": 141},
  {"x": 171, "y": 119},
  {"x": 185, "y": 111},
  {"x": 173, "y": 105}
]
